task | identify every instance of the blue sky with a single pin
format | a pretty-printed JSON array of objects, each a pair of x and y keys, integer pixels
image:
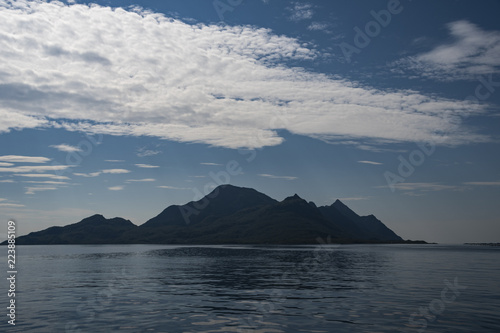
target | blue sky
[{"x": 123, "y": 108}]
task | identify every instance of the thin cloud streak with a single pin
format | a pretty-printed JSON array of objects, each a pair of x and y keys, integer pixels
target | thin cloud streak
[
  {"x": 277, "y": 177},
  {"x": 483, "y": 183},
  {"x": 146, "y": 166},
  {"x": 66, "y": 148},
  {"x": 116, "y": 188},
  {"x": 24, "y": 159},
  {"x": 370, "y": 162}
]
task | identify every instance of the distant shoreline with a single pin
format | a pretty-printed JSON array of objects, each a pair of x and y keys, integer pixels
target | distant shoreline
[{"x": 336, "y": 242}]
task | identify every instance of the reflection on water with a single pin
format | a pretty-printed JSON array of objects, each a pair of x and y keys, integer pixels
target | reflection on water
[{"x": 145, "y": 288}]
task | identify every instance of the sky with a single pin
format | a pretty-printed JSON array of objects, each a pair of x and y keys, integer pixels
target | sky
[{"x": 122, "y": 108}]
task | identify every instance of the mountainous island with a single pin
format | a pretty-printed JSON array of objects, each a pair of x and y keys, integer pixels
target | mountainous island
[{"x": 228, "y": 215}]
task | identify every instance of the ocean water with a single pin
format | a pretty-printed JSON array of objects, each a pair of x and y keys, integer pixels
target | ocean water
[{"x": 327, "y": 288}]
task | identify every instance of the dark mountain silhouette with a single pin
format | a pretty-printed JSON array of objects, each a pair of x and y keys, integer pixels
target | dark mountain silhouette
[
  {"x": 223, "y": 201},
  {"x": 95, "y": 229},
  {"x": 228, "y": 215}
]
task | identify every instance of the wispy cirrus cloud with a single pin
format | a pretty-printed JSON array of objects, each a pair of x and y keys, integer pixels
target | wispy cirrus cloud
[
  {"x": 66, "y": 148},
  {"x": 24, "y": 159},
  {"x": 34, "y": 168},
  {"x": 42, "y": 175},
  {"x": 88, "y": 175},
  {"x": 266, "y": 175},
  {"x": 98, "y": 173},
  {"x": 211, "y": 164},
  {"x": 300, "y": 11},
  {"x": 143, "y": 152},
  {"x": 116, "y": 171},
  {"x": 417, "y": 189},
  {"x": 47, "y": 182},
  {"x": 33, "y": 190},
  {"x": 146, "y": 166},
  {"x": 353, "y": 198},
  {"x": 494, "y": 183},
  {"x": 116, "y": 188},
  {"x": 141, "y": 180},
  {"x": 173, "y": 187},
  {"x": 242, "y": 91},
  {"x": 4, "y": 164},
  {"x": 473, "y": 52},
  {"x": 11, "y": 205},
  {"x": 370, "y": 162}
]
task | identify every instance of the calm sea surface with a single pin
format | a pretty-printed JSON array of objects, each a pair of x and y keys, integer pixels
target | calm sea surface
[{"x": 348, "y": 288}]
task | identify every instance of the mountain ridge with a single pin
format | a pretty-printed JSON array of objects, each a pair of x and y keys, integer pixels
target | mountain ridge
[{"x": 227, "y": 215}]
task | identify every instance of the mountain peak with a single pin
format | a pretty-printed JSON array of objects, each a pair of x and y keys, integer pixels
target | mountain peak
[
  {"x": 294, "y": 197},
  {"x": 339, "y": 203}
]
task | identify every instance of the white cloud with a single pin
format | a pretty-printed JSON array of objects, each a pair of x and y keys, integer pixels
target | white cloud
[
  {"x": 315, "y": 26},
  {"x": 370, "y": 162},
  {"x": 353, "y": 199},
  {"x": 146, "y": 166},
  {"x": 49, "y": 182},
  {"x": 7, "y": 181},
  {"x": 483, "y": 183},
  {"x": 116, "y": 188},
  {"x": 66, "y": 148},
  {"x": 3, "y": 164},
  {"x": 142, "y": 180},
  {"x": 143, "y": 152},
  {"x": 213, "y": 84},
  {"x": 87, "y": 175},
  {"x": 41, "y": 175},
  {"x": 474, "y": 51},
  {"x": 35, "y": 168},
  {"x": 33, "y": 190},
  {"x": 11, "y": 205},
  {"x": 115, "y": 171},
  {"x": 423, "y": 187},
  {"x": 277, "y": 177},
  {"x": 301, "y": 11},
  {"x": 211, "y": 164},
  {"x": 24, "y": 159},
  {"x": 173, "y": 187},
  {"x": 98, "y": 173}
]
